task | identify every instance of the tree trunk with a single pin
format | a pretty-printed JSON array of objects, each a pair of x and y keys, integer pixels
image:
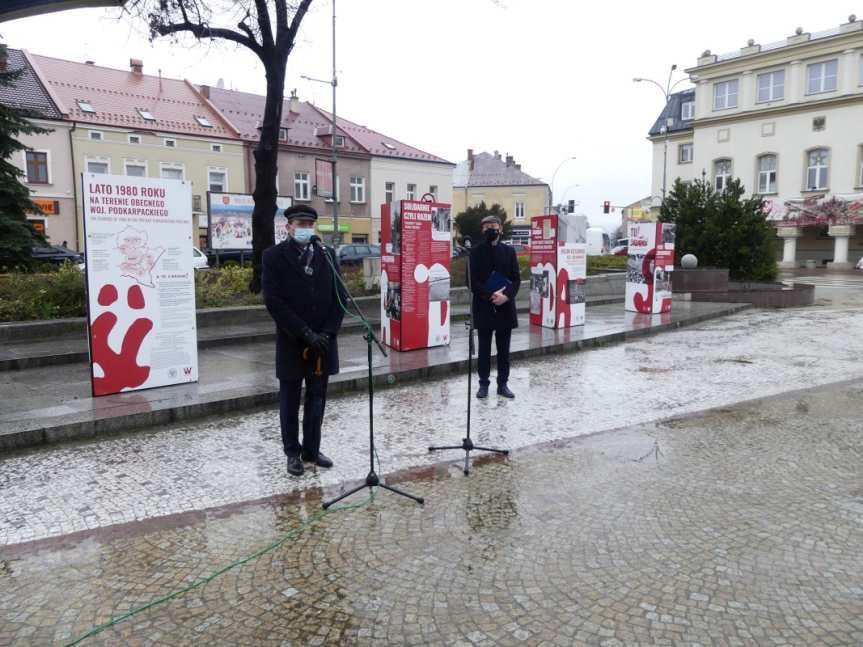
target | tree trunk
[{"x": 266, "y": 170}]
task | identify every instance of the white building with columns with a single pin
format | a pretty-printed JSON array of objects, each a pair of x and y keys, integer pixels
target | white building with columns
[{"x": 787, "y": 120}]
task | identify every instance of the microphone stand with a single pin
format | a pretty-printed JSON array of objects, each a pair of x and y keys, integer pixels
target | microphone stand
[
  {"x": 466, "y": 442},
  {"x": 372, "y": 479}
]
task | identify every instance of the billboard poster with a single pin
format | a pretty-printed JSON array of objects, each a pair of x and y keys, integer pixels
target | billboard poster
[
  {"x": 558, "y": 270},
  {"x": 416, "y": 252},
  {"x": 649, "y": 267},
  {"x": 140, "y": 282},
  {"x": 230, "y": 220}
]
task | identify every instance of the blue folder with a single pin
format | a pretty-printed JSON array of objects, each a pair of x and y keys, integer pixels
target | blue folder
[{"x": 496, "y": 281}]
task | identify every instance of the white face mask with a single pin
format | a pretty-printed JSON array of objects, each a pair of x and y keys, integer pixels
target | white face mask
[{"x": 303, "y": 234}]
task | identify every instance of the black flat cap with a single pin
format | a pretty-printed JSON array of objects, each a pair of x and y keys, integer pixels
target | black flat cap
[{"x": 301, "y": 211}]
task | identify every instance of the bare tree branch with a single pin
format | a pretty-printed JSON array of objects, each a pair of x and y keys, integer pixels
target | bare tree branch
[
  {"x": 266, "y": 27},
  {"x": 302, "y": 8}
]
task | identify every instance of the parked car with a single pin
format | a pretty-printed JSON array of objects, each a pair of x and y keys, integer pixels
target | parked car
[
  {"x": 199, "y": 259},
  {"x": 219, "y": 257},
  {"x": 354, "y": 253},
  {"x": 621, "y": 247},
  {"x": 55, "y": 254}
]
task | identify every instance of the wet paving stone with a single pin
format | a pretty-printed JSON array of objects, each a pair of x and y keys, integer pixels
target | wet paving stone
[{"x": 736, "y": 526}]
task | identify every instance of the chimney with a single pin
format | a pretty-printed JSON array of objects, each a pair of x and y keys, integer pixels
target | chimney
[
  {"x": 89, "y": 62},
  {"x": 509, "y": 161},
  {"x": 136, "y": 65},
  {"x": 205, "y": 91},
  {"x": 517, "y": 167},
  {"x": 497, "y": 155},
  {"x": 294, "y": 105}
]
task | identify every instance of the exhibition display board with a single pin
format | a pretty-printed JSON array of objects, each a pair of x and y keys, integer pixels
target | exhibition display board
[
  {"x": 649, "y": 267},
  {"x": 230, "y": 220},
  {"x": 140, "y": 282},
  {"x": 558, "y": 270},
  {"x": 416, "y": 253}
]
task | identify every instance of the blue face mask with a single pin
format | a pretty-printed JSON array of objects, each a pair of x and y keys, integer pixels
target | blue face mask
[{"x": 303, "y": 234}]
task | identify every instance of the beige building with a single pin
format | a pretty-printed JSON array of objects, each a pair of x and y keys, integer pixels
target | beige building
[
  {"x": 129, "y": 123},
  {"x": 489, "y": 178}
]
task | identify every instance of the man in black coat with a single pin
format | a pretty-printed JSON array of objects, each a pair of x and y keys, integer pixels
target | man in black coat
[
  {"x": 303, "y": 299},
  {"x": 494, "y": 312}
]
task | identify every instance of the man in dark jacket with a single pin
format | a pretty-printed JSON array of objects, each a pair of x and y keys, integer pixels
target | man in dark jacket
[
  {"x": 494, "y": 312},
  {"x": 303, "y": 299}
]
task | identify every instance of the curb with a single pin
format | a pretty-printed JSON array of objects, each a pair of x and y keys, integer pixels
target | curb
[{"x": 382, "y": 378}]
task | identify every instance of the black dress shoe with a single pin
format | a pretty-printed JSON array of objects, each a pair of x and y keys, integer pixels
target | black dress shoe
[
  {"x": 483, "y": 391},
  {"x": 503, "y": 390},
  {"x": 295, "y": 466},
  {"x": 320, "y": 461}
]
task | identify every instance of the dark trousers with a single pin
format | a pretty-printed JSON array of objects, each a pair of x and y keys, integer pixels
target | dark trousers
[
  {"x": 313, "y": 415},
  {"x": 502, "y": 338}
]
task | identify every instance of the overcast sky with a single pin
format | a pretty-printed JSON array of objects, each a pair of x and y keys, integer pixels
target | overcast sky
[{"x": 541, "y": 80}]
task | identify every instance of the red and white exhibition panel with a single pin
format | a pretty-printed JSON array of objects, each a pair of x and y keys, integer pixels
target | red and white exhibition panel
[
  {"x": 649, "y": 267},
  {"x": 416, "y": 253},
  {"x": 558, "y": 270},
  {"x": 140, "y": 282}
]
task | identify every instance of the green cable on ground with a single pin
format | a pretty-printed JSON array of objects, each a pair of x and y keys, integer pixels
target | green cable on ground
[
  {"x": 240, "y": 562},
  {"x": 209, "y": 578}
]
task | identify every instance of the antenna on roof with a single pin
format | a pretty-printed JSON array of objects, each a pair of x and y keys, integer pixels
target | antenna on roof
[{"x": 220, "y": 84}]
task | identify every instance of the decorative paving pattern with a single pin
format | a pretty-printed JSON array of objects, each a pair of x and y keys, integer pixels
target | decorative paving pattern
[
  {"x": 739, "y": 526},
  {"x": 54, "y": 491}
]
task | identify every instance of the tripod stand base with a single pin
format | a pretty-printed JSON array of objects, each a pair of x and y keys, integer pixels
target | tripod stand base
[
  {"x": 467, "y": 446},
  {"x": 372, "y": 480}
]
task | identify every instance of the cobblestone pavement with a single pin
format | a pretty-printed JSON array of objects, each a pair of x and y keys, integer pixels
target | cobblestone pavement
[
  {"x": 54, "y": 491},
  {"x": 737, "y": 526}
]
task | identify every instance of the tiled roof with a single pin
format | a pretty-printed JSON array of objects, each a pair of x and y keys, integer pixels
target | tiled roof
[
  {"x": 381, "y": 145},
  {"x": 246, "y": 112},
  {"x": 490, "y": 170},
  {"x": 673, "y": 108},
  {"x": 117, "y": 95},
  {"x": 27, "y": 91}
]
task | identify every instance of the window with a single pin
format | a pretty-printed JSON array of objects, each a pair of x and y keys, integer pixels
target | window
[
  {"x": 170, "y": 143},
  {"x": 771, "y": 86},
  {"x": 134, "y": 139},
  {"x": 146, "y": 115},
  {"x": 821, "y": 77},
  {"x": 359, "y": 238},
  {"x": 389, "y": 192},
  {"x": 721, "y": 174},
  {"x": 283, "y": 134},
  {"x": 767, "y": 174},
  {"x": 819, "y": 123},
  {"x": 687, "y": 110},
  {"x": 817, "y": 169},
  {"x": 136, "y": 169},
  {"x": 37, "y": 167},
  {"x": 725, "y": 95},
  {"x": 388, "y": 146},
  {"x": 169, "y": 172},
  {"x": 216, "y": 148},
  {"x": 217, "y": 180},
  {"x": 358, "y": 189},
  {"x": 97, "y": 166},
  {"x": 340, "y": 140},
  {"x": 411, "y": 191},
  {"x": 96, "y": 136},
  {"x": 85, "y": 106},
  {"x": 684, "y": 153},
  {"x": 301, "y": 185},
  {"x": 433, "y": 190},
  {"x": 519, "y": 210},
  {"x": 203, "y": 121}
]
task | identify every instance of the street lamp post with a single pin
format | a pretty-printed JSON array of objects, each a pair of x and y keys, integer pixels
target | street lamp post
[
  {"x": 551, "y": 191},
  {"x": 337, "y": 236},
  {"x": 669, "y": 120}
]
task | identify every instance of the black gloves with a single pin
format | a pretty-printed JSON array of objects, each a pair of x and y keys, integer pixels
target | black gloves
[{"x": 318, "y": 342}]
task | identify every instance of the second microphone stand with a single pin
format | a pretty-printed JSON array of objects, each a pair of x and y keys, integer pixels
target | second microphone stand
[
  {"x": 372, "y": 479},
  {"x": 466, "y": 442}
]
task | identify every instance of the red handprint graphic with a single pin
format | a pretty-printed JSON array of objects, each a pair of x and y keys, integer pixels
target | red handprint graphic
[{"x": 119, "y": 370}]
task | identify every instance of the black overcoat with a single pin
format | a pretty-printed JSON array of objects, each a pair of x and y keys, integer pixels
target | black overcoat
[
  {"x": 295, "y": 300},
  {"x": 485, "y": 258}
]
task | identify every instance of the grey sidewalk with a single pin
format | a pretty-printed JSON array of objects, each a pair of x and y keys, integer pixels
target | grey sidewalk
[{"x": 51, "y": 404}]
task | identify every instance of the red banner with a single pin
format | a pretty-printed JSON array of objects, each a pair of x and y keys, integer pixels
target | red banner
[{"x": 416, "y": 251}]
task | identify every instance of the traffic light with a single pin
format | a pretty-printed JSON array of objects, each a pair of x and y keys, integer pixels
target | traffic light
[
  {"x": 606, "y": 207},
  {"x": 570, "y": 207}
]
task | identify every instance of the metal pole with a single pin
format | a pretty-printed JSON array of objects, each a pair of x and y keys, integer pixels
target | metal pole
[
  {"x": 337, "y": 236},
  {"x": 665, "y": 157}
]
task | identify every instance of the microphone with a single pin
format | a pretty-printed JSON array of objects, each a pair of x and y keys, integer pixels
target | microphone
[{"x": 316, "y": 240}]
